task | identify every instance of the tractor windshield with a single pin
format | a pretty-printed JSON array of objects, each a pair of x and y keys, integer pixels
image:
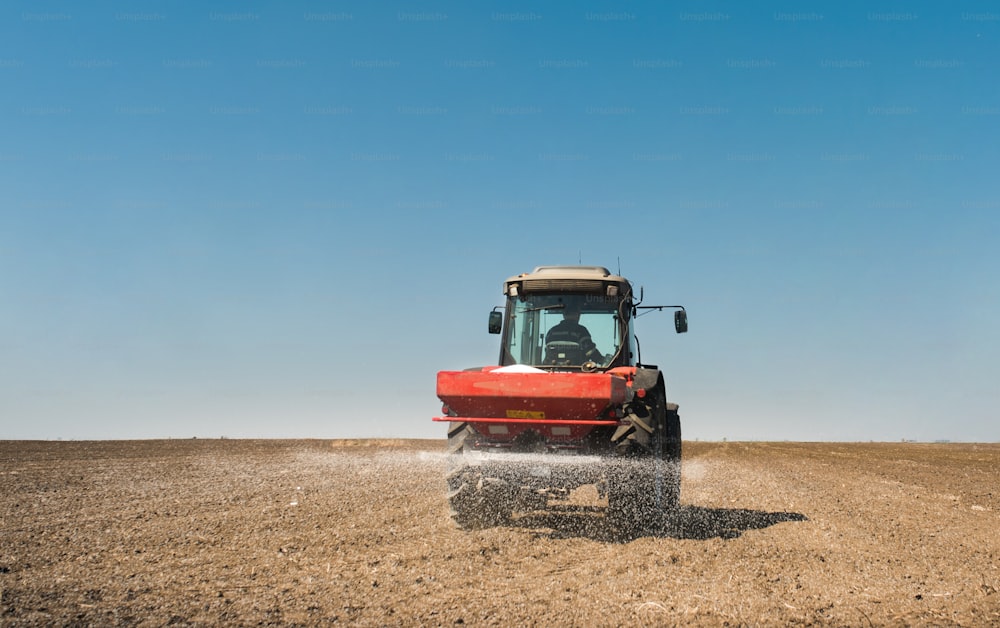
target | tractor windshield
[{"x": 560, "y": 330}]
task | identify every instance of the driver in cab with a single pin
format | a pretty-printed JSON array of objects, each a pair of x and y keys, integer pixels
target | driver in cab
[{"x": 569, "y": 329}]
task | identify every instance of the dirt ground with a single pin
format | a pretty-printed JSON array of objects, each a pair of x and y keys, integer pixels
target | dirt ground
[{"x": 239, "y": 532}]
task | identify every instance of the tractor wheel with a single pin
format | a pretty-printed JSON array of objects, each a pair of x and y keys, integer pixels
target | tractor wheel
[
  {"x": 636, "y": 499},
  {"x": 672, "y": 457},
  {"x": 475, "y": 501},
  {"x": 644, "y": 478}
]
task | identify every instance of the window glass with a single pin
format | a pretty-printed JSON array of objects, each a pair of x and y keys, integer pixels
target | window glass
[{"x": 535, "y": 316}]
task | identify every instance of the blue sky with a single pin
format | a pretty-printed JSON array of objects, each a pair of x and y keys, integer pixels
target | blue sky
[{"x": 280, "y": 220}]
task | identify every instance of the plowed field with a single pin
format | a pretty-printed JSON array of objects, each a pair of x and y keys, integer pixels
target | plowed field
[{"x": 237, "y": 532}]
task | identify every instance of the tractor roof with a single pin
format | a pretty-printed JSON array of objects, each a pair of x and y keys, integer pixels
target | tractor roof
[{"x": 578, "y": 279}]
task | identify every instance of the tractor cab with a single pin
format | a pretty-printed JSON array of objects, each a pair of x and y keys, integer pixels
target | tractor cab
[{"x": 563, "y": 318}]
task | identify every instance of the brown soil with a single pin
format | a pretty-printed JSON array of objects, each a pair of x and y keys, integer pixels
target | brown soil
[{"x": 312, "y": 532}]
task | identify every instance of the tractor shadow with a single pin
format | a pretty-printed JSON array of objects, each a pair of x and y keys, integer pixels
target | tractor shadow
[{"x": 687, "y": 522}]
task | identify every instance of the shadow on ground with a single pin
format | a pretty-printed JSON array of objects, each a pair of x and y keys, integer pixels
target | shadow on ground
[{"x": 688, "y": 522}]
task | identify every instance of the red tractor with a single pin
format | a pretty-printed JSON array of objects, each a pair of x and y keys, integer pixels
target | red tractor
[{"x": 569, "y": 404}]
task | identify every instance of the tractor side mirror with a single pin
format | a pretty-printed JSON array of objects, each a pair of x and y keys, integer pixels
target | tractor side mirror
[
  {"x": 496, "y": 322},
  {"x": 680, "y": 321}
]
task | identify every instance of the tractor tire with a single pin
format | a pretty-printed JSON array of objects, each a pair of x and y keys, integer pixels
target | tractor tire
[
  {"x": 672, "y": 456},
  {"x": 475, "y": 501},
  {"x": 643, "y": 478}
]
